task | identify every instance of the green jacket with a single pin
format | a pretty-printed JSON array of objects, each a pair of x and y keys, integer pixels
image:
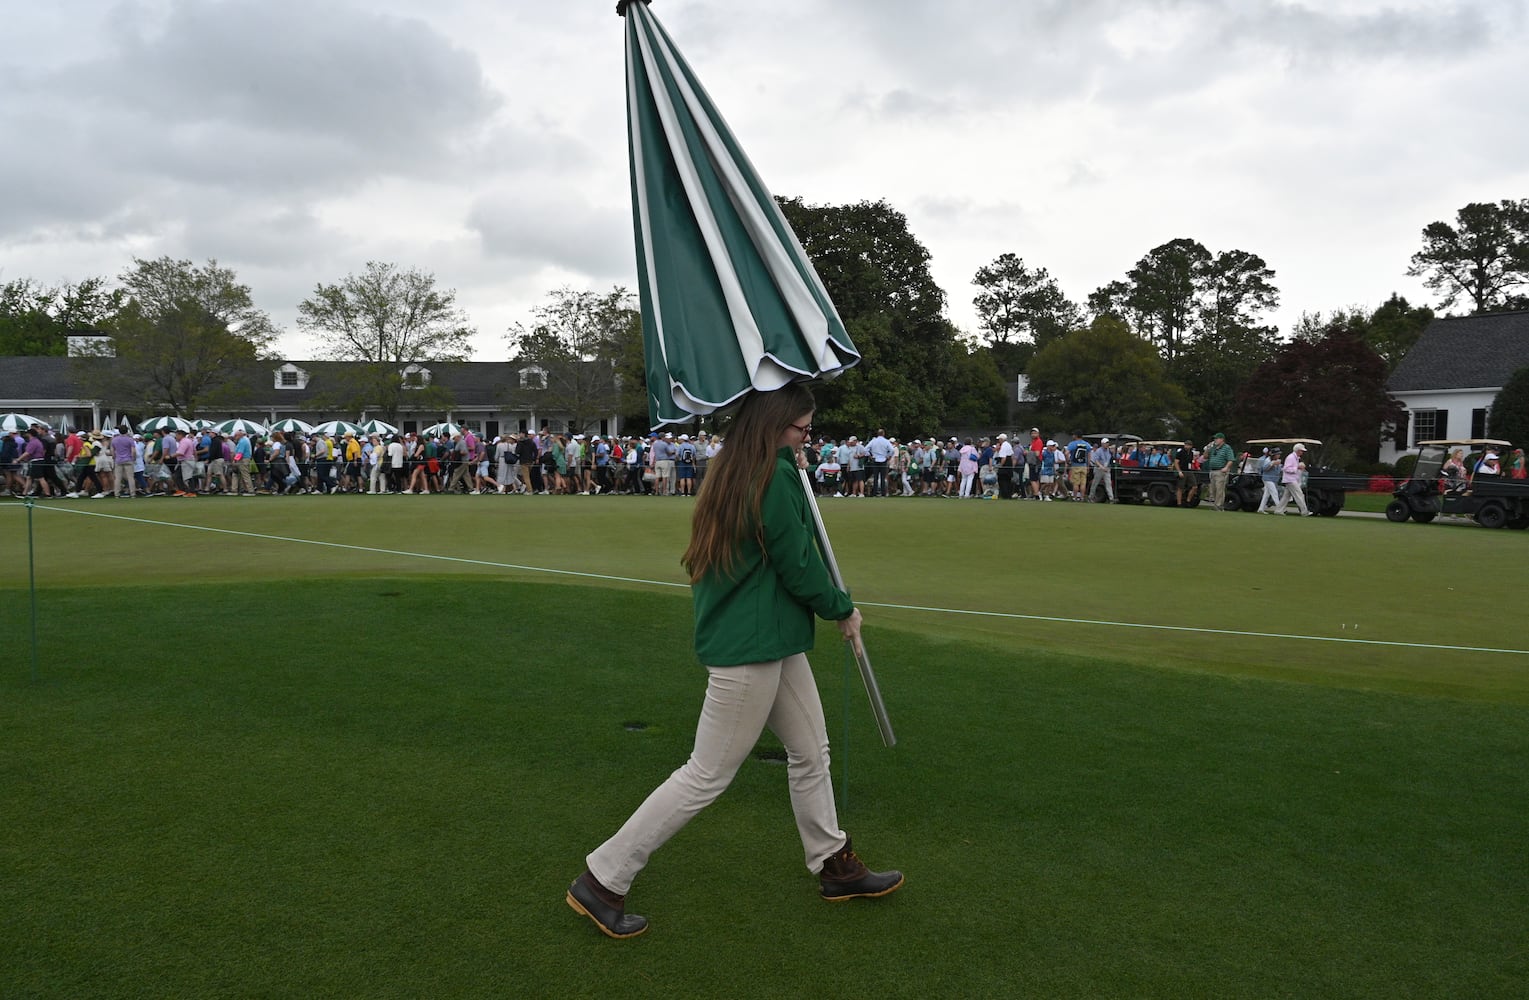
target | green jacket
[{"x": 764, "y": 609}]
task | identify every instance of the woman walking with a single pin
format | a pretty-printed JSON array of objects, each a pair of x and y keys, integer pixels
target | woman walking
[{"x": 757, "y": 580}]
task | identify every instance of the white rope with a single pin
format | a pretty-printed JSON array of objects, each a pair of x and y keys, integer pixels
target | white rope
[{"x": 864, "y": 604}]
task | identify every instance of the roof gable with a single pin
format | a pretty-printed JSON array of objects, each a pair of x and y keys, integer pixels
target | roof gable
[{"x": 1466, "y": 352}]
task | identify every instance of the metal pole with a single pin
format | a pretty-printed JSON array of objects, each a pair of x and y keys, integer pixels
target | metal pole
[
  {"x": 867, "y": 674},
  {"x": 32, "y": 584}
]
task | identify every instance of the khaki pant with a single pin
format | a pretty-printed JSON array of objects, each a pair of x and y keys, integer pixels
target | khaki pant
[{"x": 740, "y": 702}]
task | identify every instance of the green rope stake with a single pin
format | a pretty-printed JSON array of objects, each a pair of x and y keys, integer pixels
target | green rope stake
[{"x": 32, "y": 583}]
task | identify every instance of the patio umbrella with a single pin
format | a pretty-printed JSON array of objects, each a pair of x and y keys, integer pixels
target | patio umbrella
[
  {"x": 292, "y": 425},
  {"x": 164, "y": 424},
  {"x": 200, "y": 425},
  {"x": 239, "y": 424},
  {"x": 338, "y": 428},
  {"x": 730, "y": 302},
  {"x": 379, "y": 427},
  {"x": 18, "y": 422},
  {"x": 443, "y": 429}
]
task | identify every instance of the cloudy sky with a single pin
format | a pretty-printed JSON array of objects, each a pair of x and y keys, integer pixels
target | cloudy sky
[{"x": 484, "y": 140}]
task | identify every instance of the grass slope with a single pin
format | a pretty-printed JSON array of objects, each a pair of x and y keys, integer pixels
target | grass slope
[{"x": 380, "y": 786}]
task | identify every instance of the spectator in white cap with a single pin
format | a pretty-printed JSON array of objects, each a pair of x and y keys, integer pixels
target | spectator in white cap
[{"x": 1294, "y": 470}]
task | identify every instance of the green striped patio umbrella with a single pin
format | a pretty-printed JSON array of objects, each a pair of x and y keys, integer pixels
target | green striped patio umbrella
[
  {"x": 19, "y": 421},
  {"x": 379, "y": 427},
  {"x": 338, "y": 428},
  {"x": 292, "y": 425},
  {"x": 239, "y": 424},
  {"x": 164, "y": 424},
  {"x": 443, "y": 429},
  {"x": 730, "y": 301}
]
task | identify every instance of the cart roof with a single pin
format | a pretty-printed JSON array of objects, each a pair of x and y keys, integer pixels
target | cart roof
[
  {"x": 1291, "y": 441},
  {"x": 1167, "y": 444},
  {"x": 1470, "y": 442},
  {"x": 1112, "y": 435}
]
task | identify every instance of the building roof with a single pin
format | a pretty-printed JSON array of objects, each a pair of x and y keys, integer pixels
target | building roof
[
  {"x": 1466, "y": 352},
  {"x": 474, "y": 384},
  {"x": 38, "y": 378}
]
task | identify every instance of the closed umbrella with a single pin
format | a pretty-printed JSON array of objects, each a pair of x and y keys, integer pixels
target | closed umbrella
[
  {"x": 18, "y": 422},
  {"x": 730, "y": 302},
  {"x": 164, "y": 424},
  {"x": 292, "y": 425},
  {"x": 379, "y": 427},
  {"x": 338, "y": 428},
  {"x": 239, "y": 424}
]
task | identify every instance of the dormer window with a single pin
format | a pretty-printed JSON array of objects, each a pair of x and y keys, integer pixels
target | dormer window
[
  {"x": 415, "y": 377},
  {"x": 533, "y": 378},
  {"x": 289, "y": 376}
]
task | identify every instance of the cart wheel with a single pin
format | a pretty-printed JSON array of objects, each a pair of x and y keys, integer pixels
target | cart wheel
[
  {"x": 1396, "y": 512},
  {"x": 1233, "y": 500},
  {"x": 1160, "y": 495},
  {"x": 1518, "y": 523},
  {"x": 1492, "y": 516},
  {"x": 1423, "y": 516}
]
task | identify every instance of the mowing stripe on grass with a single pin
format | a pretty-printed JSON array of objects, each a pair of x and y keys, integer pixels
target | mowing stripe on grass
[{"x": 869, "y": 604}]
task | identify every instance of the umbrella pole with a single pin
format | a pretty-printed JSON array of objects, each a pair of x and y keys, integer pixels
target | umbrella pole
[{"x": 867, "y": 674}]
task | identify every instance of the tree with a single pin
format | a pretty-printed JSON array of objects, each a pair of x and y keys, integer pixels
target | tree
[
  {"x": 1180, "y": 292},
  {"x": 36, "y": 319},
  {"x": 1509, "y": 418},
  {"x": 1238, "y": 286},
  {"x": 1019, "y": 304},
  {"x": 1483, "y": 256},
  {"x": 1107, "y": 378},
  {"x": 1333, "y": 389},
  {"x": 877, "y": 275},
  {"x": 1394, "y": 327},
  {"x": 1211, "y": 371},
  {"x": 978, "y": 397},
  {"x": 385, "y": 320},
  {"x": 577, "y": 339},
  {"x": 183, "y": 341},
  {"x": 1162, "y": 293}
]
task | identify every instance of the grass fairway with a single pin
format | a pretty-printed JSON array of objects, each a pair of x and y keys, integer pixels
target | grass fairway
[{"x": 359, "y": 773}]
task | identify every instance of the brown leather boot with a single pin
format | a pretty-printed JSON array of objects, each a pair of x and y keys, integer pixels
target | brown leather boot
[
  {"x": 844, "y": 876},
  {"x": 608, "y": 911}
]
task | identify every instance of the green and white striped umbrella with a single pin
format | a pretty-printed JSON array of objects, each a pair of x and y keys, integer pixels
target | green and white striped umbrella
[
  {"x": 292, "y": 425},
  {"x": 239, "y": 424},
  {"x": 338, "y": 428},
  {"x": 379, "y": 427},
  {"x": 730, "y": 301},
  {"x": 443, "y": 429},
  {"x": 18, "y": 422},
  {"x": 164, "y": 424}
]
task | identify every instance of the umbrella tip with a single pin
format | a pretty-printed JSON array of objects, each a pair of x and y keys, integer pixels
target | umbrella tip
[{"x": 622, "y": 5}]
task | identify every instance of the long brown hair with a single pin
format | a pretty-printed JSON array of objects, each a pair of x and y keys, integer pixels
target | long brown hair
[{"x": 727, "y": 507}]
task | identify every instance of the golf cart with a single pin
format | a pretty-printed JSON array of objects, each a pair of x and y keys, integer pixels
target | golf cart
[
  {"x": 1492, "y": 501},
  {"x": 1326, "y": 489},
  {"x": 1154, "y": 484}
]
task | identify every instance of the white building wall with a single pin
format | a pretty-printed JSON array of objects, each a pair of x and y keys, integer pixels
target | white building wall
[{"x": 1459, "y": 404}]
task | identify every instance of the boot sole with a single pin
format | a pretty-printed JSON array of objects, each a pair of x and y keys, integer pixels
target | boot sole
[
  {"x": 868, "y": 895},
  {"x": 579, "y": 908}
]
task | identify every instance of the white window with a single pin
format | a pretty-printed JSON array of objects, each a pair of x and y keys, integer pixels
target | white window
[
  {"x": 533, "y": 378},
  {"x": 415, "y": 377},
  {"x": 1425, "y": 425}
]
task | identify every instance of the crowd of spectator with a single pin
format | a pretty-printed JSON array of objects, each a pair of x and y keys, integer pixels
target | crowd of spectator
[
  {"x": 97, "y": 464},
  {"x": 1033, "y": 468},
  {"x": 108, "y": 463}
]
